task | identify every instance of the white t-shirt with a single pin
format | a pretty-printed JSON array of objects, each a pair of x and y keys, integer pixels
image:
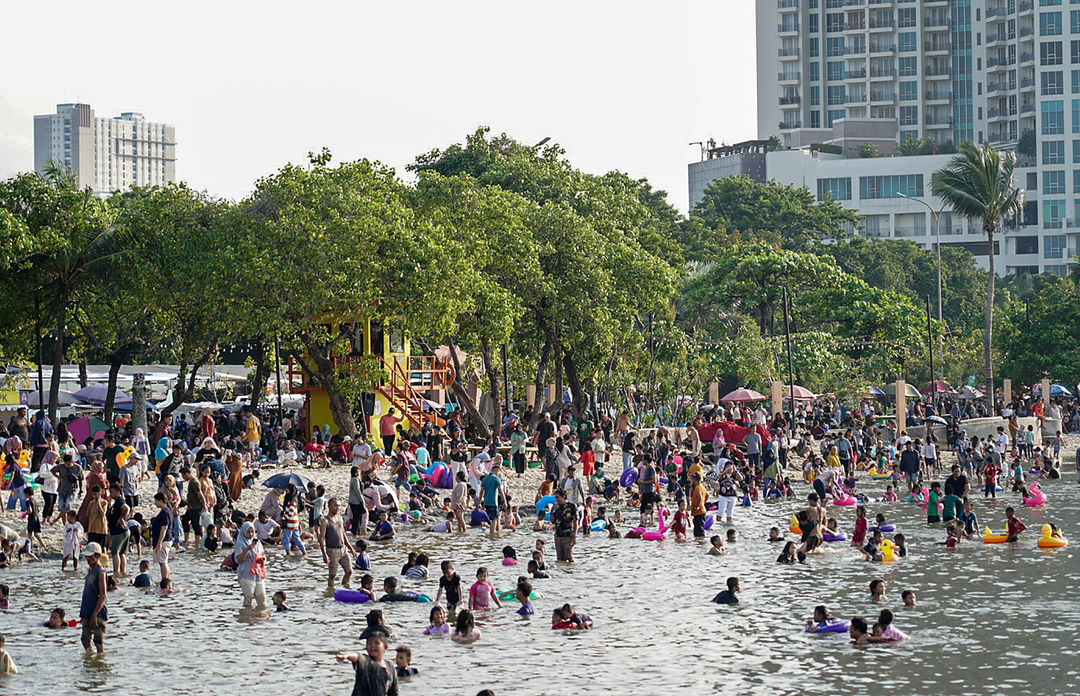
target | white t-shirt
[
  {"x": 928, "y": 451},
  {"x": 1001, "y": 442},
  {"x": 360, "y": 452},
  {"x": 263, "y": 530},
  {"x": 48, "y": 481}
]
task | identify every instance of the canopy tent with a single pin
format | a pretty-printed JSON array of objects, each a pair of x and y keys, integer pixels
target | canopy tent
[
  {"x": 742, "y": 395},
  {"x": 971, "y": 393},
  {"x": 938, "y": 387},
  {"x": 909, "y": 391},
  {"x": 733, "y": 432},
  {"x": 196, "y": 407}
]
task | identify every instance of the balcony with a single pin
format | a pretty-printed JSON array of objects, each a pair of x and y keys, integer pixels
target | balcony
[
  {"x": 938, "y": 96},
  {"x": 938, "y": 73},
  {"x": 788, "y": 53},
  {"x": 789, "y": 101},
  {"x": 854, "y": 3},
  {"x": 1026, "y": 32},
  {"x": 790, "y": 125},
  {"x": 881, "y": 73},
  {"x": 938, "y": 46},
  {"x": 1027, "y": 58},
  {"x": 1024, "y": 6},
  {"x": 881, "y": 2},
  {"x": 999, "y": 36},
  {"x": 856, "y": 98},
  {"x": 998, "y": 11},
  {"x": 882, "y": 48},
  {"x": 936, "y": 21},
  {"x": 938, "y": 121},
  {"x": 995, "y": 87},
  {"x": 878, "y": 98},
  {"x": 1027, "y": 83},
  {"x": 859, "y": 74},
  {"x": 787, "y": 28},
  {"x": 1027, "y": 108},
  {"x": 787, "y": 4},
  {"x": 789, "y": 77},
  {"x": 882, "y": 24},
  {"x": 996, "y": 113},
  {"x": 855, "y": 26}
]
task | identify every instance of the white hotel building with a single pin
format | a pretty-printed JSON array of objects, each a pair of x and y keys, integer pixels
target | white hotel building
[
  {"x": 849, "y": 72},
  {"x": 105, "y": 154}
]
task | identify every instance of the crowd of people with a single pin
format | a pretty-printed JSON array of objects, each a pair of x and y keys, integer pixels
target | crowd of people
[{"x": 671, "y": 479}]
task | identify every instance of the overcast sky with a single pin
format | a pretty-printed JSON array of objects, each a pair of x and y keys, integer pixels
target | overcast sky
[{"x": 249, "y": 86}]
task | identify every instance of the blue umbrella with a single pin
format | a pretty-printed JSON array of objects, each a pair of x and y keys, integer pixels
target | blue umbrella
[
  {"x": 96, "y": 393},
  {"x": 874, "y": 391},
  {"x": 284, "y": 479},
  {"x": 1055, "y": 390}
]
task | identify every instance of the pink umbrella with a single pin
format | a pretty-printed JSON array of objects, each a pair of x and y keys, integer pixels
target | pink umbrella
[
  {"x": 82, "y": 428},
  {"x": 743, "y": 395},
  {"x": 801, "y": 393},
  {"x": 938, "y": 386}
]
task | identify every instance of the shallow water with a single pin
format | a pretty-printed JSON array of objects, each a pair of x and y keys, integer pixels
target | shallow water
[{"x": 991, "y": 619}]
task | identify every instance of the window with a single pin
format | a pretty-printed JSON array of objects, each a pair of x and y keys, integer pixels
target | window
[
  {"x": 1049, "y": 3},
  {"x": 908, "y": 135},
  {"x": 909, "y": 115},
  {"x": 909, "y": 91},
  {"x": 1059, "y": 269},
  {"x": 814, "y": 26},
  {"x": 909, "y": 67},
  {"x": 1052, "y": 83},
  {"x": 1053, "y": 152},
  {"x": 1076, "y": 81},
  {"x": 835, "y": 70},
  {"x": 1054, "y": 182},
  {"x": 838, "y": 189},
  {"x": 835, "y": 22},
  {"x": 815, "y": 119},
  {"x": 815, "y": 97},
  {"x": 891, "y": 186},
  {"x": 908, "y": 41},
  {"x": 833, "y": 115},
  {"x": 1050, "y": 53},
  {"x": 1076, "y": 115},
  {"x": 1027, "y": 245},
  {"x": 1074, "y": 52},
  {"x": 1049, "y": 24},
  {"x": 836, "y": 96},
  {"x": 1053, "y": 117},
  {"x": 1074, "y": 22},
  {"x": 1054, "y": 246},
  {"x": 815, "y": 71},
  {"x": 1076, "y": 155},
  {"x": 1053, "y": 215},
  {"x": 834, "y": 47},
  {"x": 905, "y": 17},
  {"x": 815, "y": 46}
]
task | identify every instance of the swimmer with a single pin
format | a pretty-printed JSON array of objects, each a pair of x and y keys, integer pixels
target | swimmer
[
  {"x": 716, "y": 546},
  {"x": 534, "y": 570},
  {"x": 889, "y": 632},
  {"x": 7, "y": 665},
  {"x": 820, "y": 620},
  {"x": 731, "y": 536},
  {"x": 1013, "y": 526},
  {"x": 509, "y": 556},
  {"x": 774, "y": 534},
  {"x": 951, "y": 538},
  {"x": 437, "y": 625},
  {"x": 899, "y": 546},
  {"x": 908, "y": 598},
  {"x": 465, "y": 630},
  {"x": 143, "y": 578},
  {"x": 403, "y": 662},
  {"x": 579, "y": 621},
  {"x": 788, "y": 554},
  {"x": 56, "y": 619},
  {"x": 859, "y": 631},
  {"x": 279, "y": 600},
  {"x": 872, "y": 549},
  {"x": 889, "y": 496},
  {"x": 522, "y": 592},
  {"x": 877, "y": 590},
  {"x": 482, "y": 592},
  {"x": 728, "y": 596}
]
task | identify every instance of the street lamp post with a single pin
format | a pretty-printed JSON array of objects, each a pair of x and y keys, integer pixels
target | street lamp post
[{"x": 936, "y": 214}]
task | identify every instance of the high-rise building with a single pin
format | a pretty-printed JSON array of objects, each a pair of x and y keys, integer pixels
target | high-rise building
[
  {"x": 877, "y": 73},
  {"x": 105, "y": 154}
]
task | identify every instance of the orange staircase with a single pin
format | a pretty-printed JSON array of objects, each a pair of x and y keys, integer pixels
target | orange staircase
[{"x": 404, "y": 382}]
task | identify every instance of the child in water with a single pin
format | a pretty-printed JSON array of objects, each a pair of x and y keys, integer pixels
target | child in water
[
  {"x": 438, "y": 625},
  {"x": 774, "y": 534},
  {"x": 877, "y": 590},
  {"x": 787, "y": 556},
  {"x": 465, "y": 630},
  {"x": 821, "y": 619},
  {"x": 403, "y": 662},
  {"x": 889, "y": 496},
  {"x": 899, "y": 546},
  {"x": 678, "y": 524},
  {"x": 859, "y": 631},
  {"x": 951, "y": 538},
  {"x": 908, "y": 597},
  {"x": 482, "y": 593},
  {"x": 509, "y": 556},
  {"x": 523, "y": 591},
  {"x": 716, "y": 546},
  {"x": 534, "y": 570},
  {"x": 56, "y": 619},
  {"x": 143, "y": 578},
  {"x": 7, "y": 665}
]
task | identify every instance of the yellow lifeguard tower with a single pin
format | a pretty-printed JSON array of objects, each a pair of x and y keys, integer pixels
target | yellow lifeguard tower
[{"x": 404, "y": 378}]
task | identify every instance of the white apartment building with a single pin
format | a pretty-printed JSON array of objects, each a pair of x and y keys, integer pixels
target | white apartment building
[
  {"x": 105, "y": 154},
  {"x": 944, "y": 70}
]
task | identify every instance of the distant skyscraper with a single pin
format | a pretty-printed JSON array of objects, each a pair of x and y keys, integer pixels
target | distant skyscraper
[{"x": 105, "y": 154}]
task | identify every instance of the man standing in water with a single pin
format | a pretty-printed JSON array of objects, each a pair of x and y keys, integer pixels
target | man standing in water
[
  {"x": 92, "y": 610},
  {"x": 335, "y": 546},
  {"x": 374, "y": 675},
  {"x": 565, "y": 518}
]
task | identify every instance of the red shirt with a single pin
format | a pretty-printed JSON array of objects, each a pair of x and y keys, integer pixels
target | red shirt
[
  {"x": 587, "y": 459},
  {"x": 860, "y": 530},
  {"x": 1014, "y": 528}
]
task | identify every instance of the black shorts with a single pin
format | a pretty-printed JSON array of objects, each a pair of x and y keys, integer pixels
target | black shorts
[
  {"x": 492, "y": 512},
  {"x": 33, "y": 525}
]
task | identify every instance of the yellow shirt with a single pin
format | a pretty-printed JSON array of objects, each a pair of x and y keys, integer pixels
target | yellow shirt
[{"x": 251, "y": 434}]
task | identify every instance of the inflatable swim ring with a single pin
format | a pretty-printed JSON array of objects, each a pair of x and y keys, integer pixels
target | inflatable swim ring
[
  {"x": 598, "y": 525},
  {"x": 510, "y": 595},
  {"x": 831, "y": 626},
  {"x": 628, "y": 477},
  {"x": 710, "y": 520},
  {"x": 793, "y": 526},
  {"x": 882, "y": 528},
  {"x": 829, "y": 536},
  {"x": 1037, "y": 498},
  {"x": 991, "y": 538},
  {"x": 844, "y": 501},
  {"x": 1050, "y": 542},
  {"x": 888, "y": 551},
  {"x": 352, "y": 596}
]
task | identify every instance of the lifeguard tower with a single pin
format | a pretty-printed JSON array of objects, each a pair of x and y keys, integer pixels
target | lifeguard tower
[{"x": 404, "y": 381}]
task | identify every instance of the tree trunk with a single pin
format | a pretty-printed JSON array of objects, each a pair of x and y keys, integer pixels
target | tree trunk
[
  {"x": 540, "y": 387},
  {"x": 84, "y": 378},
  {"x": 185, "y": 390},
  {"x": 115, "y": 362},
  {"x": 463, "y": 395},
  {"x": 58, "y": 353},
  {"x": 492, "y": 373},
  {"x": 262, "y": 373},
  {"x": 326, "y": 374},
  {"x": 988, "y": 331},
  {"x": 579, "y": 400}
]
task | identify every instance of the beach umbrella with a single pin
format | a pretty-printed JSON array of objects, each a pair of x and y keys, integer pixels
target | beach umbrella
[
  {"x": 800, "y": 393},
  {"x": 938, "y": 386},
  {"x": 971, "y": 393},
  {"x": 83, "y": 428},
  {"x": 284, "y": 479},
  {"x": 37, "y": 400},
  {"x": 936, "y": 419},
  {"x": 909, "y": 390},
  {"x": 874, "y": 391},
  {"x": 96, "y": 393},
  {"x": 740, "y": 395}
]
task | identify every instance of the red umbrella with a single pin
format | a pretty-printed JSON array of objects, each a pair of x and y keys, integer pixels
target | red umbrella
[
  {"x": 939, "y": 387},
  {"x": 743, "y": 395},
  {"x": 801, "y": 393}
]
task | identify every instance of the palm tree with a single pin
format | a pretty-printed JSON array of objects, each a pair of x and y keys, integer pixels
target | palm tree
[{"x": 978, "y": 183}]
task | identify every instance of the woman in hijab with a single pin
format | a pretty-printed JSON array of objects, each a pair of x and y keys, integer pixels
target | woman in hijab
[
  {"x": 172, "y": 498},
  {"x": 271, "y": 505},
  {"x": 41, "y": 429},
  {"x": 163, "y": 450},
  {"x": 49, "y": 484},
  {"x": 208, "y": 447},
  {"x": 234, "y": 463},
  {"x": 250, "y": 566}
]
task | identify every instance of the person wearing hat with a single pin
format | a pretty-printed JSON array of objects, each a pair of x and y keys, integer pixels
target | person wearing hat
[{"x": 92, "y": 609}]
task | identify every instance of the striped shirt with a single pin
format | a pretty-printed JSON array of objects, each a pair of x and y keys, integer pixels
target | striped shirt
[{"x": 290, "y": 519}]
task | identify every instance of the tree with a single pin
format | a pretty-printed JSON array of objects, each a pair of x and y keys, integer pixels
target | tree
[
  {"x": 780, "y": 214},
  {"x": 1042, "y": 337},
  {"x": 978, "y": 183},
  {"x": 78, "y": 236}
]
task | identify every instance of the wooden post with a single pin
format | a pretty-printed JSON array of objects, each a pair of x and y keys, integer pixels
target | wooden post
[
  {"x": 714, "y": 392},
  {"x": 550, "y": 394},
  {"x": 530, "y": 394},
  {"x": 777, "y": 393},
  {"x": 901, "y": 406},
  {"x": 1006, "y": 392},
  {"x": 1046, "y": 395}
]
